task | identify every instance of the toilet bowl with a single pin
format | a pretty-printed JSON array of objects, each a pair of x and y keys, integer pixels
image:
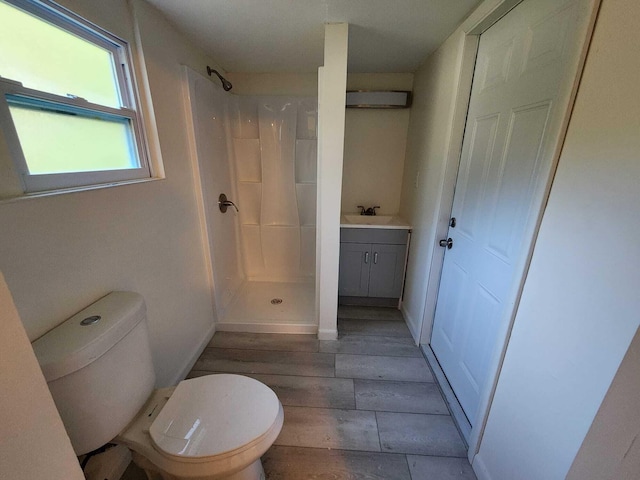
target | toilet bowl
[{"x": 98, "y": 367}]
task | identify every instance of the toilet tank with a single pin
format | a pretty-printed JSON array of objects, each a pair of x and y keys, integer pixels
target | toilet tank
[{"x": 99, "y": 369}]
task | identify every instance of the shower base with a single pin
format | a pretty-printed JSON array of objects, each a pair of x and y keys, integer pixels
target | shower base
[{"x": 252, "y": 309}]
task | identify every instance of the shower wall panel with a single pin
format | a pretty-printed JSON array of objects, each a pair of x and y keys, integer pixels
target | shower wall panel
[
  {"x": 249, "y": 169},
  {"x": 275, "y": 151},
  {"x": 281, "y": 251},
  {"x": 245, "y": 121},
  {"x": 277, "y": 146},
  {"x": 308, "y": 251},
  {"x": 209, "y": 114}
]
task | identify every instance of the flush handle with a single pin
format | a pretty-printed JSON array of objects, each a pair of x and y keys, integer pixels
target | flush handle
[{"x": 446, "y": 243}]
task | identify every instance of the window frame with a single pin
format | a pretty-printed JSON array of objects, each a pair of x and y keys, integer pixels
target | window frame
[{"x": 129, "y": 112}]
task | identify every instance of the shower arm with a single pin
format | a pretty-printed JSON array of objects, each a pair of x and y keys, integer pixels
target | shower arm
[{"x": 226, "y": 84}]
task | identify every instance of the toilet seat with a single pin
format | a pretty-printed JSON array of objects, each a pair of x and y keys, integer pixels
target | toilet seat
[
  {"x": 209, "y": 426},
  {"x": 188, "y": 427}
]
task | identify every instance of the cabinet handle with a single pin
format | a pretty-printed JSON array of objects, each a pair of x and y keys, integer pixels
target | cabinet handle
[
  {"x": 366, "y": 257},
  {"x": 375, "y": 257}
]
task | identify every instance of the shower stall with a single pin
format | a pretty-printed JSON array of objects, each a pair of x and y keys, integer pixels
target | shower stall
[{"x": 260, "y": 151}]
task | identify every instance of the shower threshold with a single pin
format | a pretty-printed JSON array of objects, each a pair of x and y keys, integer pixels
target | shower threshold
[{"x": 271, "y": 307}]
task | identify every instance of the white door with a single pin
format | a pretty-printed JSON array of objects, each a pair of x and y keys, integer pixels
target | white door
[{"x": 525, "y": 69}]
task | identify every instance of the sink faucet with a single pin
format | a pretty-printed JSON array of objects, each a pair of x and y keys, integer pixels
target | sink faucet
[{"x": 369, "y": 211}]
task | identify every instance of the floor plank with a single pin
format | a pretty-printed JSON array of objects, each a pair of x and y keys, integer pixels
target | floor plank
[
  {"x": 372, "y": 345},
  {"x": 419, "y": 434},
  {"x": 440, "y": 468},
  {"x": 370, "y": 313},
  {"x": 387, "y": 328},
  {"x": 265, "y": 341},
  {"x": 407, "y": 397},
  {"x": 267, "y": 362},
  {"x": 329, "y": 428},
  {"x": 297, "y": 391},
  {"x": 291, "y": 463},
  {"x": 383, "y": 368},
  {"x": 311, "y": 391}
]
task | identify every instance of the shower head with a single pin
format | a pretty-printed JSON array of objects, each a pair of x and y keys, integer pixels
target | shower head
[{"x": 226, "y": 84}]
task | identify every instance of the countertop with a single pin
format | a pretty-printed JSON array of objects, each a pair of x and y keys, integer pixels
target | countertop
[{"x": 354, "y": 220}]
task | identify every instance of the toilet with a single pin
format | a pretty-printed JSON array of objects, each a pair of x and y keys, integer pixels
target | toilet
[{"x": 99, "y": 369}]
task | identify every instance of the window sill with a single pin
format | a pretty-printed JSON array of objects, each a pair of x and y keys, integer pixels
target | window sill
[{"x": 63, "y": 191}]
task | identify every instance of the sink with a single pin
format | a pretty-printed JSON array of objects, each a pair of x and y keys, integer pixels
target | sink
[{"x": 369, "y": 219}]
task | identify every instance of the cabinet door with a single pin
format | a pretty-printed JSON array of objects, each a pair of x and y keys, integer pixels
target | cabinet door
[
  {"x": 387, "y": 270},
  {"x": 355, "y": 261}
]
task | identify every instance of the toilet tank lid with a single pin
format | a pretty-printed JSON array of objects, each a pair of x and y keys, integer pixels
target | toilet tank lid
[{"x": 71, "y": 346}]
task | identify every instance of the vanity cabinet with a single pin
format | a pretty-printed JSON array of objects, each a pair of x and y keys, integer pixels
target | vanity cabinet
[{"x": 372, "y": 262}]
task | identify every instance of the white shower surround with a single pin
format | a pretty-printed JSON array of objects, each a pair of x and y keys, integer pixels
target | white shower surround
[
  {"x": 260, "y": 152},
  {"x": 275, "y": 154}
]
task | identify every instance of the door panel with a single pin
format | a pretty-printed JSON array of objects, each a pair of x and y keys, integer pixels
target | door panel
[
  {"x": 515, "y": 181},
  {"x": 524, "y": 73},
  {"x": 481, "y": 148},
  {"x": 453, "y": 284}
]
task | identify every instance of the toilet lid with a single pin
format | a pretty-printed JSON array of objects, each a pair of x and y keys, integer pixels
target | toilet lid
[{"x": 214, "y": 414}]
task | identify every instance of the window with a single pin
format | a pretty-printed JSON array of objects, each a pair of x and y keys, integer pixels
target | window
[{"x": 68, "y": 108}]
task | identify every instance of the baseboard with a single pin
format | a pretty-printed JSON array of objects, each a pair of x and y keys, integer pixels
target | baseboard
[
  {"x": 301, "y": 328},
  {"x": 195, "y": 355},
  {"x": 480, "y": 469},
  {"x": 328, "y": 334},
  {"x": 413, "y": 328},
  {"x": 457, "y": 413}
]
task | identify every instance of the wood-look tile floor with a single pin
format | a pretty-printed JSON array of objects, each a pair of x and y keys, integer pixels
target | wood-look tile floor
[{"x": 362, "y": 407}]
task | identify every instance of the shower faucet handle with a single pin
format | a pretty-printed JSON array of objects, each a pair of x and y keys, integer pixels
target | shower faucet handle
[{"x": 223, "y": 203}]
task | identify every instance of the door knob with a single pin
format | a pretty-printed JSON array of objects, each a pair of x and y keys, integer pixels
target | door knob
[{"x": 446, "y": 243}]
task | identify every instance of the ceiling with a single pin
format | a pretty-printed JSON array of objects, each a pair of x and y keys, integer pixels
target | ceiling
[{"x": 288, "y": 35}]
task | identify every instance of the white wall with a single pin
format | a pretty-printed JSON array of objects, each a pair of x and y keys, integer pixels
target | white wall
[
  {"x": 296, "y": 84},
  {"x": 374, "y": 146},
  {"x": 611, "y": 449},
  {"x": 33, "y": 442},
  {"x": 579, "y": 308},
  {"x": 432, "y": 113},
  {"x": 61, "y": 253}
]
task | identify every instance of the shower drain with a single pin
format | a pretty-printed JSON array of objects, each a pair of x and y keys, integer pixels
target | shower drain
[{"x": 276, "y": 301}]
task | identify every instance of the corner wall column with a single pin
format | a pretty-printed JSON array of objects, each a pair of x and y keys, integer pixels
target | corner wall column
[{"x": 332, "y": 87}]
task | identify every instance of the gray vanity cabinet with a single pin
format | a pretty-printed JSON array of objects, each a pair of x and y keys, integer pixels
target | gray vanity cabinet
[
  {"x": 355, "y": 267},
  {"x": 372, "y": 262}
]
